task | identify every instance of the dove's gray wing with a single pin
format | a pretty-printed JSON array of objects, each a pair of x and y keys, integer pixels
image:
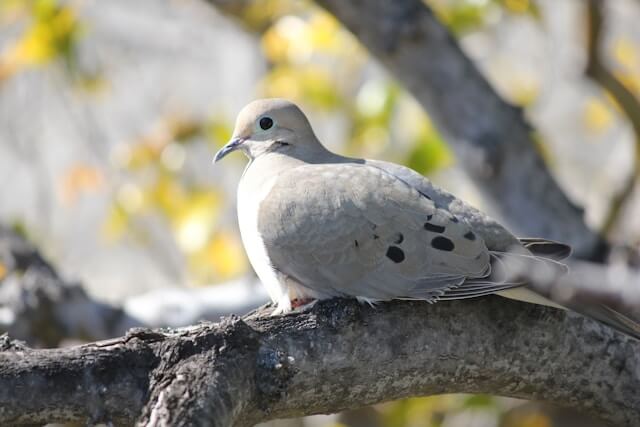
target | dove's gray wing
[
  {"x": 355, "y": 230},
  {"x": 495, "y": 236}
]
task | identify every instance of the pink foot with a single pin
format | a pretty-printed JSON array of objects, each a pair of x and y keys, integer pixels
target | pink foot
[{"x": 299, "y": 302}]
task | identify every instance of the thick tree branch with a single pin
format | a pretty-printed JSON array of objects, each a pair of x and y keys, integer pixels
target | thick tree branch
[
  {"x": 490, "y": 137},
  {"x": 337, "y": 356}
]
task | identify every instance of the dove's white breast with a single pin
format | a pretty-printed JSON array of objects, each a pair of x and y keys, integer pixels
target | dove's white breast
[{"x": 248, "y": 209}]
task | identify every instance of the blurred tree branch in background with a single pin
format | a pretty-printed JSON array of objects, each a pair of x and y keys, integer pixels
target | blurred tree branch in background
[
  {"x": 629, "y": 104},
  {"x": 37, "y": 306},
  {"x": 242, "y": 371},
  {"x": 491, "y": 137}
]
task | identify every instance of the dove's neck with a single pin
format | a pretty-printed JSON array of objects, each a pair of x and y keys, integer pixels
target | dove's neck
[
  {"x": 272, "y": 164},
  {"x": 263, "y": 168}
]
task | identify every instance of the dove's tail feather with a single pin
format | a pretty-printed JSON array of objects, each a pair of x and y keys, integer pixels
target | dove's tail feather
[
  {"x": 611, "y": 318},
  {"x": 520, "y": 267},
  {"x": 553, "y": 252},
  {"x": 546, "y": 248},
  {"x": 509, "y": 270}
]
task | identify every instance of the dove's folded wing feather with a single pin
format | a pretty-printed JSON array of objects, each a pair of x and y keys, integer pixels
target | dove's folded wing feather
[
  {"x": 495, "y": 236},
  {"x": 335, "y": 236}
]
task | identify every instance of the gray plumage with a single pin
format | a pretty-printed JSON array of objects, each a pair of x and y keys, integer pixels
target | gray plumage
[{"x": 318, "y": 225}]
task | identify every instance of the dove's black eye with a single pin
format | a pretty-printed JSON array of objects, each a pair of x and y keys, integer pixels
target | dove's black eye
[{"x": 266, "y": 123}]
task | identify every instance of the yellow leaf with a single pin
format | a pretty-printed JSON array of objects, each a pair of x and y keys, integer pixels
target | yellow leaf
[
  {"x": 277, "y": 41},
  {"x": 130, "y": 197},
  {"x": 325, "y": 31},
  {"x": 258, "y": 14},
  {"x": 52, "y": 34},
  {"x": 524, "y": 89},
  {"x": 145, "y": 153},
  {"x": 312, "y": 84},
  {"x": 93, "y": 84},
  {"x": 11, "y": 8},
  {"x": 226, "y": 255},
  {"x": 3, "y": 271},
  {"x": 625, "y": 52},
  {"x": 36, "y": 47},
  {"x": 597, "y": 115},
  {"x": 167, "y": 195},
  {"x": 195, "y": 219},
  {"x": 535, "y": 420},
  {"x": 116, "y": 223},
  {"x": 517, "y": 6},
  {"x": 219, "y": 132}
]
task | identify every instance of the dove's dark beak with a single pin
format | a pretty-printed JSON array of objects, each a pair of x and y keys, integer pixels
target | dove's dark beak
[{"x": 231, "y": 146}]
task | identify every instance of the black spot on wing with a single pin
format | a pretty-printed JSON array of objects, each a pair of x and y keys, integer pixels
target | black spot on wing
[
  {"x": 356, "y": 243},
  {"x": 429, "y": 217},
  {"x": 432, "y": 227},
  {"x": 395, "y": 254},
  {"x": 423, "y": 194},
  {"x": 399, "y": 239},
  {"x": 454, "y": 219},
  {"x": 442, "y": 243},
  {"x": 470, "y": 236}
]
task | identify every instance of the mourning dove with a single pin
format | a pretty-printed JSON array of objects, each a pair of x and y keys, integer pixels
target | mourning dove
[{"x": 318, "y": 225}]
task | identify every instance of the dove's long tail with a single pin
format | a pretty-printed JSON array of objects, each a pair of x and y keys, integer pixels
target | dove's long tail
[
  {"x": 610, "y": 317},
  {"x": 546, "y": 248},
  {"x": 558, "y": 251}
]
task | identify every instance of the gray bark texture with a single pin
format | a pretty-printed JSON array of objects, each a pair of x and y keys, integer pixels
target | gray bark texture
[
  {"x": 335, "y": 356},
  {"x": 490, "y": 137}
]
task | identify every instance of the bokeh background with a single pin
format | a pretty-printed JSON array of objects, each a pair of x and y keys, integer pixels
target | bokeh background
[{"x": 110, "y": 112}]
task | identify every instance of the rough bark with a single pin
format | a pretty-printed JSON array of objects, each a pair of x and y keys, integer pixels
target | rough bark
[
  {"x": 336, "y": 356},
  {"x": 490, "y": 137}
]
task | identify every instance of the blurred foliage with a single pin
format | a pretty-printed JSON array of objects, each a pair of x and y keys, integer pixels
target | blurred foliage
[
  {"x": 157, "y": 186},
  {"x": 79, "y": 179},
  {"x": 317, "y": 63},
  {"x": 48, "y": 31},
  {"x": 442, "y": 410},
  {"x": 463, "y": 16}
]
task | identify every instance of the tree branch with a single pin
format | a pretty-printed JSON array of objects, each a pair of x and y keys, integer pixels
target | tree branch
[
  {"x": 490, "y": 137},
  {"x": 38, "y": 306},
  {"x": 240, "y": 372}
]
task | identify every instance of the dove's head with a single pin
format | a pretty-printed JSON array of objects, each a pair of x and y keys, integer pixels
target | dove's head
[{"x": 271, "y": 125}]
